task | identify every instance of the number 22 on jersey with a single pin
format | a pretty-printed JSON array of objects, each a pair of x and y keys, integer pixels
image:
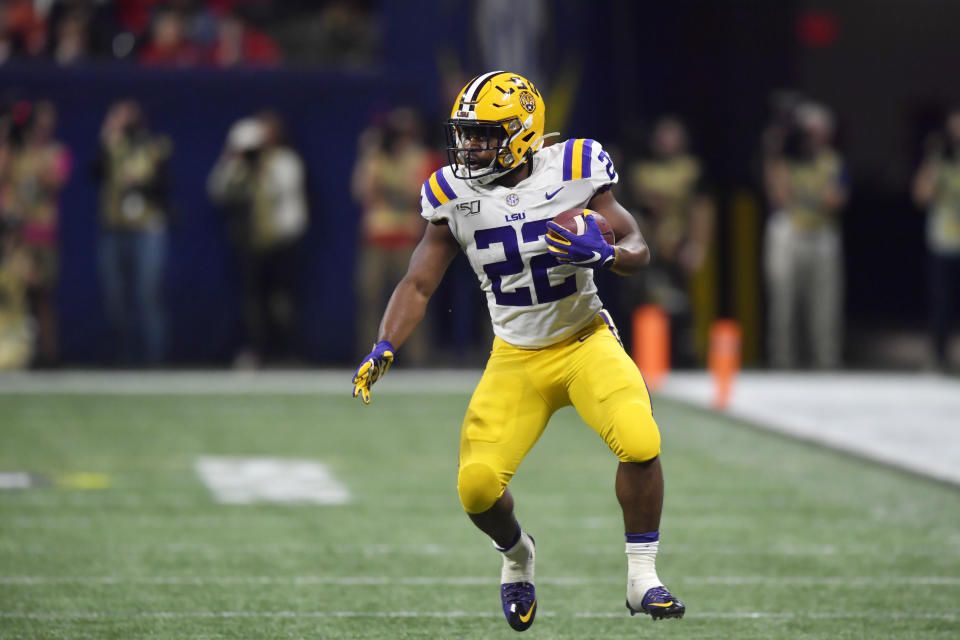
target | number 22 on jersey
[{"x": 512, "y": 264}]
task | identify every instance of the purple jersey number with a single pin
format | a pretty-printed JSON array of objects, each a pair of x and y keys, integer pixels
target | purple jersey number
[{"x": 512, "y": 264}]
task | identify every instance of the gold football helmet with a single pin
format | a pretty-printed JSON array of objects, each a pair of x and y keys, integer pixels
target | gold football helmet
[{"x": 497, "y": 111}]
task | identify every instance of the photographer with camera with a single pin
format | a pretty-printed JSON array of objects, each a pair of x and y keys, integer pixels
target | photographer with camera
[
  {"x": 259, "y": 183},
  {"x": 806, "y": 186}
]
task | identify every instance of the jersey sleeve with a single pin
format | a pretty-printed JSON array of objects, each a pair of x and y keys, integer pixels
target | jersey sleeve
[
  {"x": 436, "y": 198},
  {"x": 585, "y": 159}
]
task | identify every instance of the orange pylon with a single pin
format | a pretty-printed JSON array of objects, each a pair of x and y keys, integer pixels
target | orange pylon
[
  {"x": 724, "y": 358},
  {"x": 651, "y": 343}
]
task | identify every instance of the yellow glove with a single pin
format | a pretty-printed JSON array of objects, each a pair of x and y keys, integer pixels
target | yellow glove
[{"x": 370, "y": 370}]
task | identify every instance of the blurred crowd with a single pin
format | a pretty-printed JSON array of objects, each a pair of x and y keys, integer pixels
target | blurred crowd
[
  {"x": 34, "y": 166},
  {"x": 259, "y": 185},
  {"x": 190, "y": 33}
]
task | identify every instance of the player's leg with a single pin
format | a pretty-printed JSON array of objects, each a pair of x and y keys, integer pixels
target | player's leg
[
  {"x": 609, "y": 393},
  {"x": 506, "y": 416}
]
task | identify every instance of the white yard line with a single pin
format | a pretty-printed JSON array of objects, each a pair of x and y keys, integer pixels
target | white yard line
[
  {"x": 274, "y": 382},
  {"x": 463, "y": 581},
  {"x": 14, "y": 547},
  {"x": 732, "y": 615},
  {"x": 249, "y": 480},
  {"x": 908, "y": 421}
]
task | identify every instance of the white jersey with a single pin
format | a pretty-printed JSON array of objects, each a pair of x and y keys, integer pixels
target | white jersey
[{"x": 534, "y": 301}]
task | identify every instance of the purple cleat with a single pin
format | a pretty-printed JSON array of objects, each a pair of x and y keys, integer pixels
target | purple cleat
[
  {"x": 519, "y": 604},
  {"x": 659, "y": 603}
]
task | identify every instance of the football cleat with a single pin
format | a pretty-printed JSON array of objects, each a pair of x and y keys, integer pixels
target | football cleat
[
  {"x": 659, "y": 603},
  {"x": 519, "y": 601}
]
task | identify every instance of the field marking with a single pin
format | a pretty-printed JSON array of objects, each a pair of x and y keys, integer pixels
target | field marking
[
  {"x": 249, "y": 480},
  {"x": 274, "y": 382},
  {"x": 200, "y": 548},
  {"x": 861, "y": 414},
  {"x": 432, "y": 581},
  {"x": 732, "y": 615},
  {"x": 14, "y": 480},
  {"x": 613, "y": 523}
]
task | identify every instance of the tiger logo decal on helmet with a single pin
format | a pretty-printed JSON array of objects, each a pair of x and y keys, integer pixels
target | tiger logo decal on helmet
[
  {"x": 499, "y": 112},
  {"x": 528, "y": 102}
]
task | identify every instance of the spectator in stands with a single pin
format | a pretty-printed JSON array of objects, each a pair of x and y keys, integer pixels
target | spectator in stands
[
  {"x": 38, "y": 170},
  {"x": 678, "y": 219},
  {"x": 71, "y": 42},
  {"x": 16, "y": 341},
  {"x": 259, "y": 182},
  {"x": 79, "y": 30},
  {"x": 134, "y": 212},
  {"x": 22, "y": 30},
  {"x": 393, "y": 163},
  {"x": 348, "y": 34},
  {"x": 169, "y": 46},
  {"x": 806, "y": 186},
  {"x": 241, "y": 44},
  {"x": 936, "y": 188}
]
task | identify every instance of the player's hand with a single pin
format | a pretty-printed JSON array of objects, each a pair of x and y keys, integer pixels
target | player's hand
[
  {"x": 373, "y": 366},
  {"x": 589, "y": 250}
]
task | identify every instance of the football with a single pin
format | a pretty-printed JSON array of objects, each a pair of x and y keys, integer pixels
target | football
[{"x": 572, "y": 220}]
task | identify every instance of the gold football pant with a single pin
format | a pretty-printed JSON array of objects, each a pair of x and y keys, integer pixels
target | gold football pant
[{"x": 521, "y": 388}]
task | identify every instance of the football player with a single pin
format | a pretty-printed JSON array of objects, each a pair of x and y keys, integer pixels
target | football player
[{"x": 555, "y": 345}]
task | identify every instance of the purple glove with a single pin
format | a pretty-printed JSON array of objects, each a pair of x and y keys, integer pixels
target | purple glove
[
  {"x": 370, "y": 370},
  {"x": 587, "y": 250}
]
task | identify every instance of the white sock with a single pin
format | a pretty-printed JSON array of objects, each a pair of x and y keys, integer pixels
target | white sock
[
  {"x": 641, "y": 570},
  {"x": 518, "y": 561}
]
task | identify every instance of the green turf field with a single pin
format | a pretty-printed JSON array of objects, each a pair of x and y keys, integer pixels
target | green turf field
[{"x": 762, "y": 537}]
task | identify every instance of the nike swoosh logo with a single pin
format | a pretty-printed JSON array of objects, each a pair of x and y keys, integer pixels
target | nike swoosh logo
[
  {"x": 660, "y": 604},
  {"x": 585, "y": 337},
  {"x": 549, "y": 196},
  {"x": 526, "y": 618}
]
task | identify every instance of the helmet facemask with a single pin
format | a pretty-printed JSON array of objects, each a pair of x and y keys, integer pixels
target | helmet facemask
[{"x": 484, "y": 137}]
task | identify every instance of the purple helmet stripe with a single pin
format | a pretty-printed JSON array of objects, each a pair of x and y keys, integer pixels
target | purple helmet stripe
[
  {"x": 429, "y": 192},
  {"x": 585, "y": 164},
  {"x": 445, "y": 186},
  {"x": 568, "y": 160}
]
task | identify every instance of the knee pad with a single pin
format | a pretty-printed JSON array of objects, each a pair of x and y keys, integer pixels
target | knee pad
[
  {"x": 478, "y": 486},
  {"x": 637, "y": 438}
]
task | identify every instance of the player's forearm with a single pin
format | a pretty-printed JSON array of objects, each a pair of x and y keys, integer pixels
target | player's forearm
[
  {"x": 406, "y": 309},
  {"x": 632, "y": 254}
]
